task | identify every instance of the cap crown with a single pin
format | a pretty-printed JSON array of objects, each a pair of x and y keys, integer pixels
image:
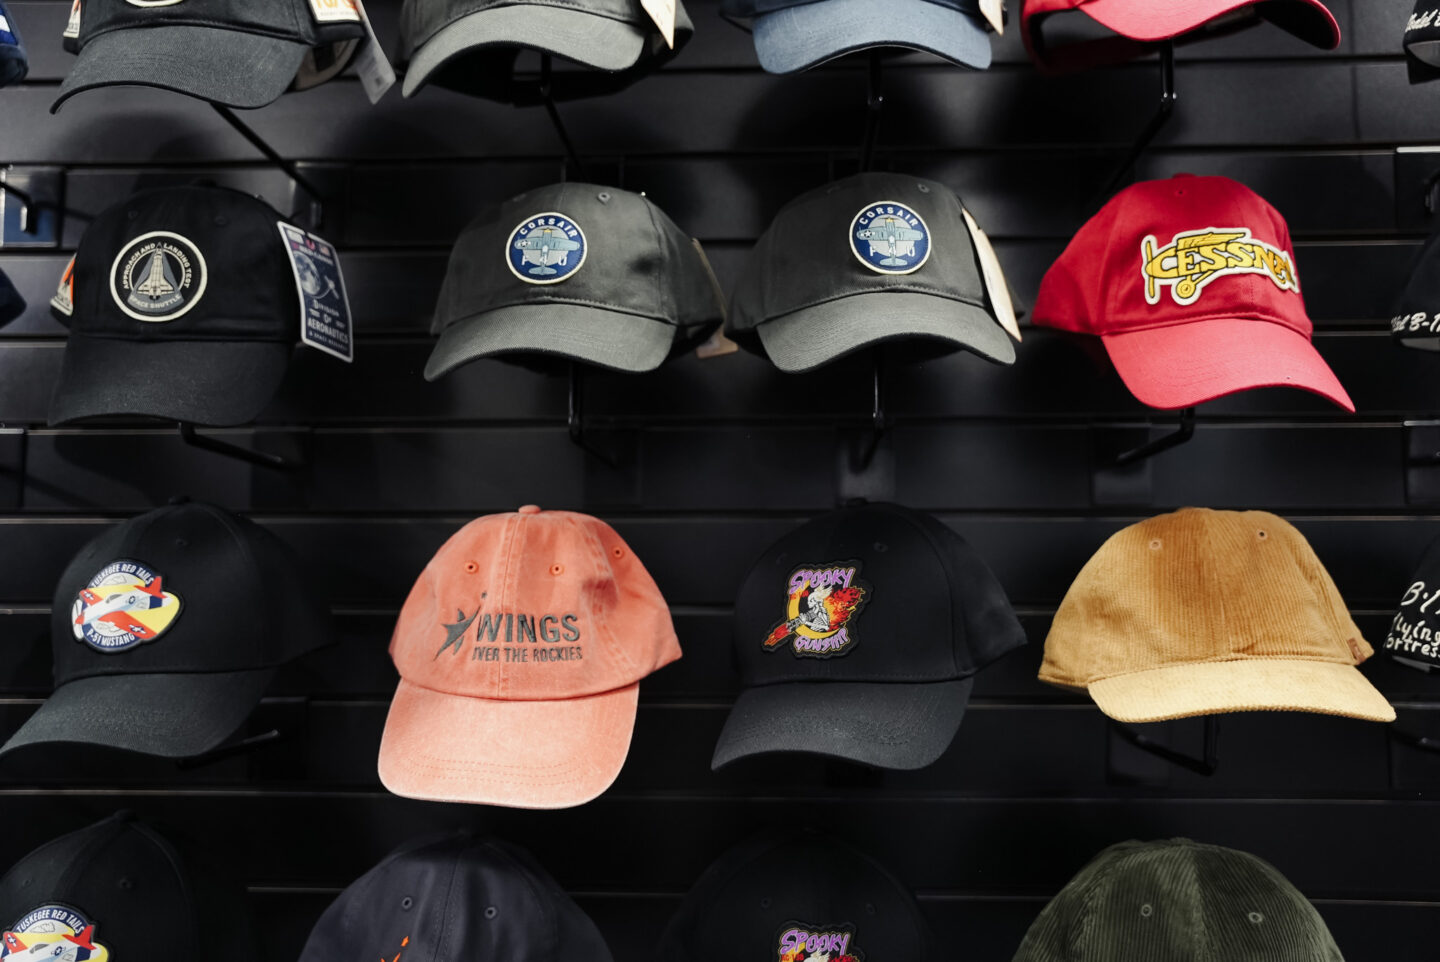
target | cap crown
[
  {"x": 186, "y": 263},
  {"x": 774, "y": 886},
  {"x": 420, "y": 20},
  {"x": 906, "y": 600},
  {"x": 1178, "y": 901},
  {"x": 455, "y": 899},
  {"x": 284, "y": 19},
  {"x": 226, "y": 595},
  {"x": 1175, "y": 251},
  {"x": 807, "y": 255},
  {"x": 1199, "y": 586},
  {"x": 635, "y": 260},
  {"x": 531, "y": 606},
  {"x": 144, "y": 899}
]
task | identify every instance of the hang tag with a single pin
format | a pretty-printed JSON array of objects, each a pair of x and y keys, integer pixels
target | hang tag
[
  {"x": 376, "y": 74},
  {"x": 64, "y": 299},
  {"x": 718, "y": 345},
  {"x": 994, "y": 13},
  {"x": 72, "y": 29},
  {"x": 324, "y": 305},
  {"x": 663, "y": 13},
  {"x": 995, "y": 284},
  {"x": 335, "y": 11}
]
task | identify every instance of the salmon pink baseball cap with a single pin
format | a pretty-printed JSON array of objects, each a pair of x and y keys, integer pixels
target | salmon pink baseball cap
[
  {"x": 520, "y": 652},
  {"x": 1191, "y": 285}
]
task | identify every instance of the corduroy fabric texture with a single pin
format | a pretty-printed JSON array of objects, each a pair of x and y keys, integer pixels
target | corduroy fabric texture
[
  {"x": 1178, "y": 901},
  {"x": 1199, "y": 612}
]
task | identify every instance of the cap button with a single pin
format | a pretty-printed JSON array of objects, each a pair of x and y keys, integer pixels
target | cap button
[{"x": 530, "y": 509}]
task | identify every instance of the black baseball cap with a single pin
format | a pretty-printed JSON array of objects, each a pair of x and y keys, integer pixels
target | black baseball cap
[
  {"x": 574, "y": 271},
  {"x": 239, "y": 53},
  {"x": 1414, "y": 635},
  {"x": 793, "y": 35},
  {"x": 120, "y": 890},
  {"x": 12, "y": 305},
  {"x": 858, "y": 636},
  {"x": 455, "y": 898},
  {"x": 1422, "y": 42},
  {"x": 874, "y": 258},
  {"x": 185, "y": 308},
  {"x": 1176, "y": 901},
  {"x": 473, "y": 46},
  {"x": 793, "y": 896},
  {"x": 1416, "y": 322},
  {"x": 14, "y": 65},
  {"x": 168, "y": 628}
]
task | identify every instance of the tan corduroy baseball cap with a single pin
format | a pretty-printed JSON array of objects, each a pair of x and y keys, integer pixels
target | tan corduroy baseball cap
[{"x": 1200, "y": 612}]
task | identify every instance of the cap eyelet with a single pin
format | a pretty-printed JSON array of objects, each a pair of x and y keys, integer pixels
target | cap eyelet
[
  {"x": 407, "y": 903},
  {"x": 125, "y": 884},
  {"x": 132, "y": 214},
  {"x": 1255, "y": 917},
  {"x": 869, "y": 908},
  {"x": 221, "y": 220},
  {"x": 880, "y": 547},
  {"x": 923, "y": 188},
  {"x": 618, "y": 551},
  {"x": 557, "y": 569},
  {"x": 491, "y": 911},
  {"x": 603, "y": 197},
  {"x": 1147, "y": 910},
  {"x": 471, "y": 567},
  {"x": 1262, "y": 534},
  {"x": 181, "y": 543},
  {"x": 1156, "y": 544},
  {"x": 765, "y": 902}
]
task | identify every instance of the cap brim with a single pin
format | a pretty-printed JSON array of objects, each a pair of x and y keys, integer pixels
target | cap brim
[
  {"x": 215, "y": 383},
  {"x": 1210, "y": 688},
  {"x": 900, "y": 726},
  {"x": 797, "y": 38},
  {"x": 522, "y": 754},
  {"x": 231, "y": 67},
  {"x": 1187, "y": 364},
  {"x": 169, "y": 715},
  {"x": 1145, "y": 20},
  {"x": 599, "y": 42},
  {"x": 809, "y": 338},
  {"x": 624, "y": 342}
]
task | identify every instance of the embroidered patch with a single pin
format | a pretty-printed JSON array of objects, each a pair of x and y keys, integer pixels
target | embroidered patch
[
  {"x": 1194, "y": 258},
  {"x": 1414, "y": 636},
  {"x": 124, "y": 605},
  {"x": 158, "y": 276},
  {"x": 514, "y": 637},
  {"x": 890, "y": 238},
  {"x": 802, "y": 942},
  {"x": 53, "y": 933},
  {"x": 545, "y": 249},
  {"x": 822, "y": 605}
]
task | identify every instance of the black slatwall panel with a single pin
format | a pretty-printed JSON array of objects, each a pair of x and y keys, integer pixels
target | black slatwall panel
[{"x": 717, "y": 458}]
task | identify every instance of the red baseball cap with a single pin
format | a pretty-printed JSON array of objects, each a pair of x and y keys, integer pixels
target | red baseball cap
[
  {"x": 1143, "y": 23},
  {"x": 1190, "y": 283},
  {"x": 520, "y": 652}
]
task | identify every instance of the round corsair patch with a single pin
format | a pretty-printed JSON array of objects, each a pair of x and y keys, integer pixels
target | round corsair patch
[
  {"x": 124, "y": 605},
  {"x": 890, "y": 238},
  {"x": 546, "y": 249},
  {"x": 158, "y": 276}
]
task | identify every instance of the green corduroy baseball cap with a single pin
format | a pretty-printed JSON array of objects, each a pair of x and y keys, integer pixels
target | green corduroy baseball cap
[{"x": 1178, "y": 901}]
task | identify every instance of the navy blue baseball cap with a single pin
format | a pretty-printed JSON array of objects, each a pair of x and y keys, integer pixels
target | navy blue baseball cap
[
  {"x": 12, "y": 305},
  {"x": 14, "y": 64},
  {"x": 794, "y": 35}
]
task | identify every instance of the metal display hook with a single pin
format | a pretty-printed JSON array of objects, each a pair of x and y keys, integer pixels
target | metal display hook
[
  {"x": 262, "y": 459},
  {"x": 1422, "y": 743},
  {"x": 317, "y": 204},
  {"x": 878, "y": 421},
  {"x": 1184, "y": 432},
  {"x": 575, "y": 418},
  {"x": 1163, "y": 113},
  {"x": 572, "y": 156},
  {"x": 1205, "y": 765},
  {"x": 874, "y": 104}
]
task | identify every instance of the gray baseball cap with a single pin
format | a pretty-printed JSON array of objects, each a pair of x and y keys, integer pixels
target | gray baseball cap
[
  {"x": 575, "y": 271},
  {"x": 873, "y": 258},
  {"x": 472, "y": 46}
]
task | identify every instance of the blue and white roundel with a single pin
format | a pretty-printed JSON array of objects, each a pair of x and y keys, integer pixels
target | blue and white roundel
[
  {"x": 890, "y": 238},
  {"x": 546, "y": 249}
]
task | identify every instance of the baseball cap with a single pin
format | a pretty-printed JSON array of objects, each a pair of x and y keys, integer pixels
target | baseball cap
[
  {"x": 1142, "y": 24},
  {"x": 858, "y": 636},
  {"x": 1412, "y": 639},
  {"x": 1416, "y": 322},
  {"x": 12, "y": 305},
  {"x": 168, "y": 628},
  {"x": 574, "y": 271},
  {"x": 238, "y": 53},
  {"x": 1191, "y": 285},
  {"x": 455, "y": 897},
  {"x": 793, "y": 35},
  {"x": 14, "y": 63},
  {"x": 184, "y": 308},
  {"x": 795, "y": 896},
  {"x": 873, "y": 258},
  {"x": 520, "y": 651},
  {"x": 472, "y": 46},
  {"x": 121, "y": 890},
  {"x": 1177, "y": 901},
  {"x": 1422, "y": 41},
  {"x": 1199, "y": 612}
]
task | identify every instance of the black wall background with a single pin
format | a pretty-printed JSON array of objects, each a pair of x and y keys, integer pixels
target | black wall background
[{"x": 717, "y": 458}]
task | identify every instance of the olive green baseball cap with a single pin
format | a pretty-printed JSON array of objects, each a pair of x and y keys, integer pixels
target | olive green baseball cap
[{"x": 1178, "y": 901}]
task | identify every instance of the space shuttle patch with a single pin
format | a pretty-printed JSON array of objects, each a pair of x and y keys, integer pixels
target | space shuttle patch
[
  {"x": 546, "y": 249},
  {"x": 158, "y": 277},
  {"x": 890, "y": 238},
  {"x": 320, "y": 284}
]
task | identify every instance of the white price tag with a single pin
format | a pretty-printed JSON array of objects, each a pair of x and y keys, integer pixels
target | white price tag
[
  {"x": 324, "y": 305},
  {"x": 72, "y": 29},
  {"x": 376, "y": 74},
  {"x": 994, "y": 13},
  {"x": 663, "y": 13},
  {"x": 995, "y": 284}
]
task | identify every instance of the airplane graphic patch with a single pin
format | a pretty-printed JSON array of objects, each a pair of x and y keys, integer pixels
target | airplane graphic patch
[
  {"x": 545, "y": 249},
  {"x": 158, "y": 277},
  {"x": 890, "y": 238},
  {"x": 124, "y": 605},
  {"x": 822, "y": 603},
  {"x": 53, "y": 933},
  {"x": 802, "y": 942},
  {"x": 1194, "y": 258}
]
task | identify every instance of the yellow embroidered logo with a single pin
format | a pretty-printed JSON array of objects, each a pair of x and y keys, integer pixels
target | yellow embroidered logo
[{"x": 1195, "y": 258}]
